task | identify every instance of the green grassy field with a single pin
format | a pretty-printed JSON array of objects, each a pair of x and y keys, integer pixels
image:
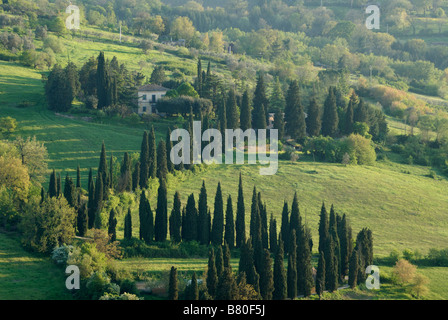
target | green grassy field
[{"x": 24, "y": 276}]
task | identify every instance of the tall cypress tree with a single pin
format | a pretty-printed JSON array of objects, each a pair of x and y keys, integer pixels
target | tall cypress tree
[
  {"x": 219, "y": 261},
  {"x": 344, "y": 245},
  {"x": 112, "y": 229},
  {"x": 229, "y": 234},
  {"x": 264, "y": 223},
  {"x": 294, "y": 113},
  {"x": 218, "y": 218},
  {"x": 361, "y": 113},
  {"x": 53, "y": 188},
  {"x": 246, "y": 113},
  {"x": 232, "y": 110},
  {"x": 144, "y": 161},
  {"x": 226, "y": 256},
  {"x": 58, "y": 185},
  {"x": 128, "y": 225},
  {"x": 203, "y": 228},
  {"x": 78, "y": 177},
  {"x": 173, "y": 289},
  {"x": 266, "y": 277},
  {"x": 176, "y": 220},
  {"x": 292, "y": 266},
  {"x": 313, "y": 121},
  {"x": 295, "y": 222},
  {"x": 247, "y": 265},
  {"x": 126, "y": 173},
  {"x": 191, "y": 220},
  {"x": 333, "y": 229},
  {"x": 161, "y": 222},
  {"x": 273, "y": 234},
  {"x": 279, "y": 123},
  {"x": 320, "y": 275},
  {"x": 193, "y": 288},
  {"x": 199, "y": 83},
  {"x": 280, "y": 285},
  {"x": 305, "y": 280},
  {"x": 349, "y": 114},
  {"x": 82, "y": 220},
  {"x": 332, "y": 275},
  {"x": 91, "y": 201},
  {"x": 284, "y": 229},
  {"x": 212, "y": 274},
  {"x": 69, "y": 191},
  {"x": 162, "y": 166},
  {"x": 353, "y": 270},
  {"x": 222, "y": 114},
  {"x": 102, "y": 168},
  {"x": 227, "y": 286},
  {"x": 101, "y": 81},
  {"x": 323, "y": 228},
  {"x": 240, "y": 223},
  {"x": 330, "y": 118},
  {"x": 256, "y": 231},
  {"x": 152, "y": 154},
  {"x": 260, "y": 103},
  {"x": 98, "y": 202},
  {"x": 111, "y": 180}
]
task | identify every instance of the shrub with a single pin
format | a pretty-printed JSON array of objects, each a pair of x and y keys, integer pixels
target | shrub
[
  {"x": 61, "y": 254},
  {"x": 360, "y": 149},
  {"x": 404, "y": 271}
]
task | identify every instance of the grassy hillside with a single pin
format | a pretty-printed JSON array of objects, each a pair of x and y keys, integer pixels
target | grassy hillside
[{"x": 24, "y": 276}]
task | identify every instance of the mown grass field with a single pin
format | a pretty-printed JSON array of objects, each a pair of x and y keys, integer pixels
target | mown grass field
[{"x": 25, "y": 276}]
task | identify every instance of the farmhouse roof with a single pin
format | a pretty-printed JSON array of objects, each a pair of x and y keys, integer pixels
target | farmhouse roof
[{"x": 152, "y": 87}]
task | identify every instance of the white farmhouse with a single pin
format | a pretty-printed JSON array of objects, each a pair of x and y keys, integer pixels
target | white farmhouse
[{"x": 148, "y": 95}]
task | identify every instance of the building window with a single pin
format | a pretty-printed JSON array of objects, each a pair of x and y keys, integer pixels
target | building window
[
  {"x": 144, "y": 97},
  {"x": 144, "y": 109},
  {"x": 153, "y": 98}
]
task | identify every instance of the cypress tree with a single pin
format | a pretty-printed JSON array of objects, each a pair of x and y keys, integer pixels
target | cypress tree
[
  {"x": 218, "y": 218},
  {"x": 98, "y": 204},
  {"x": 144, "y": 161},
  {"x": 82, "y": 221},
  {"x": 222, "y": 115},
  {"x": 273, "y": 234},
  {"x": 247, "y": 266},
  {"x": 226, "y": 256},
  {"x": 78, "y": 177},
  {"x": 277, "y": 100},
  {"x": 344, "y": 245},
  {"x": 193, "y": 288},
  {"x": 260, "y": 103},
  {"x": 323, "y": 228},
  {"x": 246, "y": 114},
  {"x": 176, "y": 219},
  {"x": 173, "y": 289},
  {"x": 294, "y": 113},
  {"x": 361, "y": 113},
  {"x": 292, "y": 266},
  {"x": 58, "y": 185},
  {"x": 149, "y": 230},
  {"x": 330, "y": 119},
  {"x": 305, "y": 280},
  {"x": 232, "y": 110},
  {"x": 349, "y": 120},
  {"x": 111, "y": 182},
  {"x": 128, "y": 225},
  {"x": 126, "y": 173},
  {"x": 266, "y": 277},
  {"x": 353, "y": 270},
  {"x": 203, "y": 228},
  {"x": 240, "y": 223},
  {"x": 69, "y": 191},
  {"x": 264, "y": 223},
  {"x": 112, "y": 230},
  {"x": 212, "y": 274},
  {"x": 169, "y": 147},
  {"x": 91, "y": 202},
  {"x": 152, "y": 173},
  {"x": 333, "y": 229},
  {"x": 280, "y": 285},
  {"x": 284, "y": 229},
  {"x": 320, "y": 275},
  {"x": 53, "y": 188},
  {"x": 162, "y": 166},
  {"x": 191, "y": 220},
  {"x": 227, "y": 286},
  {"x": 229, "y": 235},
  {"x": 102, "y": 168},
  {"x": 279, "y": 123},
  {"x": 101, "y": 81},
  {"x": 255, "y": 232},
  {"x": 42, "y": 195},
  {"x": 295, "y": 222},
  {"x": 219, "y": 261},
  {"x": 332, "y": 275},
  {"x": 161, "y": 221},
  {"x": 313, "y": 121}
]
